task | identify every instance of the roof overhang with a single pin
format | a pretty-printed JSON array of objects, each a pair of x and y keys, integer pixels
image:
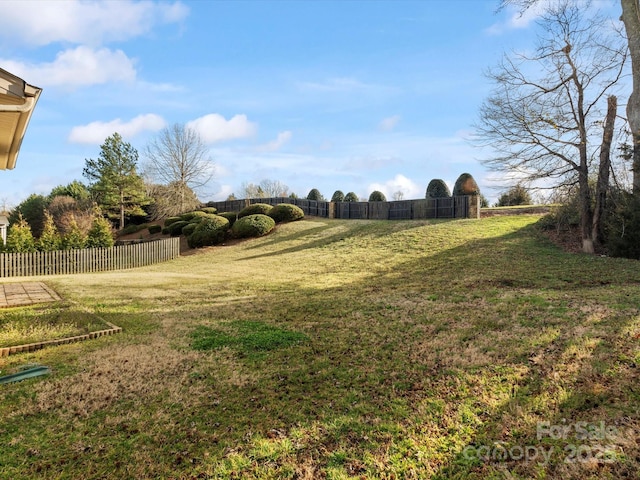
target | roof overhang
[{"x": 17, "y": 101}]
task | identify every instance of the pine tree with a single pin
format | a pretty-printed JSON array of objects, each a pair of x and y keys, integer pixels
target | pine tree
[
  {"x": 20, "y": 239},
  {"x": 100, "y": 234},
  {"x": 118, "y": 188},
  {"x": 74, "y": 238},
  {"x": 49, "y": 238}
]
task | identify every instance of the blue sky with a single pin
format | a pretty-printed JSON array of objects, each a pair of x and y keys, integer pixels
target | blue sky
[{"x": 349, "y": 95}]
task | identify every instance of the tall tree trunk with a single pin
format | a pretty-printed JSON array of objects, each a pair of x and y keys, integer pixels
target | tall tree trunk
[
  {"x": 586, "y": 214},
  {"x": 121, "y": 210},
  {"x": 631, "y": 19},
  {"x": 605, "y": 167}
]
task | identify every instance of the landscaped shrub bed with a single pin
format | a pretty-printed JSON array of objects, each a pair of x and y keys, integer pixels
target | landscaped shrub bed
[
  {"x": 253, "y": 226},
  {"x": 286, "y": 212},
  {"x": 231, "y": 216},
  {"x": 169, "y": 220},
  {"x": 189, "y": 228},
  {"x": 254, "y": 209},
  {"x": 175, "y": 228},
  {"x": 210, "y": 231},
  {"x": 191, "y": 216}
]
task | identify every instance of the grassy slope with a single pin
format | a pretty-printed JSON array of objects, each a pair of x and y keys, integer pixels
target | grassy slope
[{"x": 425, "y": 340}]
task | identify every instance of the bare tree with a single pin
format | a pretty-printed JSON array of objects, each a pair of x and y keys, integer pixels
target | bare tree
[
  {"x": 170, "y": 200},
  {"x": 250, "y": 190},
  {"x": 602, "y": 186},
  {"x": 631, "y": 19},
  {"x": 398, "y": 195},
  {"x": 543, "y": 117},
  {"x": 179, "y": 159},
  {"x": 274, "y": 188},
  {"x": 267, "y": 188}
]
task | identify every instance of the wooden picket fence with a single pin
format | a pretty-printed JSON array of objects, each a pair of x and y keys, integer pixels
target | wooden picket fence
[{"x": 88, "y": 260}]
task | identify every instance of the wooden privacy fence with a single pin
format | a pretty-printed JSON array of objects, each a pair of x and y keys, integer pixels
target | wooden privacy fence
[
  {"x": 87, "y": 260},
  {"x": 451, "y": 207}
]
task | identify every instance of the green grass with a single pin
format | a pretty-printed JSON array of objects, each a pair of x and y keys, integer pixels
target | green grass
[
  {"x": 341, "y": 349},
  {"x": 249, "y": 338},
  {"x": 23, "y": 325}
]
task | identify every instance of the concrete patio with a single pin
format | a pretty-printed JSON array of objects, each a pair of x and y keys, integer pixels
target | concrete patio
[{"x": 20, "y": 294}]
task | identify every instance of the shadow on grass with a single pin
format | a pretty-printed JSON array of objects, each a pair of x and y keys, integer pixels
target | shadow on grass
[
  {"x": 402, "y": 374},
  {"x": 363, "y": 229}
]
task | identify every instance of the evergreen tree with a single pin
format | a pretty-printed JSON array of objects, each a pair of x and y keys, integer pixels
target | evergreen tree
[
  {"x": 118, "y": 188},
  {"x": 50, "y": 238},
  {"x": 20, "y": 239},
  {"x": 32, "y": 211},
  {"x": 338, "y": 196},
  {"x": 350, "y": 197},
  {"x": 314, "y": 194},
  {"x": 377, "y": 196},
  {"x": 74, "y": 238},
  {"x": 100, "y": 234}
]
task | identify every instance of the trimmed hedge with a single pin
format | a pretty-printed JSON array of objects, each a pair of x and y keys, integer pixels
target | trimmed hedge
[
  {"x": 132, "y": 228},
  {"x": 377, "y": 196},
  {"x": 254, "y": 209},
  {"x": 253, "y": 226},
  {"x": 350, "y": 197},
  {"x": 337, "y": 196},
  {"x": 154, "y": 229},
  {"x": 189, "y": 228},
  {"x": 169, "y": 220},
  {"x": 210, "y": 231},
  {"x": 437, "y": 189},
  {"x": 285, "y": 212},
  {"x": 465, "y": 185},
  {"x": 209, "y": 210},
  {"x": 175, "y": 229},
  {"x": 231, "y": 216},
  {"x": 190, "y": 216}
]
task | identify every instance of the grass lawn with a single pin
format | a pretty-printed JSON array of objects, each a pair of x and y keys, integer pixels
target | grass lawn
[
  {"x": 23, "y": 325},
  {"x": 344, "y": 349}
]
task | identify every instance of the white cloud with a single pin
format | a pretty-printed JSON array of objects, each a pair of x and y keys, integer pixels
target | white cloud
[
  {"x": 520, "y": 19},
  {"x": 81, "y": 66},
  {"x": 215, "y": 128},
  {"x": 398, "y": 183},
  {"x": 223, "y": 193},
  {"x": 274, "y": 145},
  {"x": 95, "y": 132},
  {"x": 389, "y": 123},
  {"x": 84, "y": 22}
]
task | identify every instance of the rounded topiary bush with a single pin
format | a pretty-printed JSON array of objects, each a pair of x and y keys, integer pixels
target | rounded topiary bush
[
  {"x": 175, "y": 228},
  {"x": 465, "y": 185},
  {"x": 210, "y": 231},
  {"x": 253, "y": 226},
  {"x": 377, "y": 196},
  {"x": 231, "y": 216},
  {"x": 337, "y": 196},
  {"x": 437, "y": 189},
  {"x": 189, "y": 228},
  {"x": 351, "y": 197},
  {"x": 190, "y": 216},
  {"x": 154, "y": 229},
  {"x": 210, "y": 210},
  {"x": 254, "y": 209},
  {"x": 169, "y": 220},
  {"x": 285, "y": 212},
  {"x": 314, "y": 194}
]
